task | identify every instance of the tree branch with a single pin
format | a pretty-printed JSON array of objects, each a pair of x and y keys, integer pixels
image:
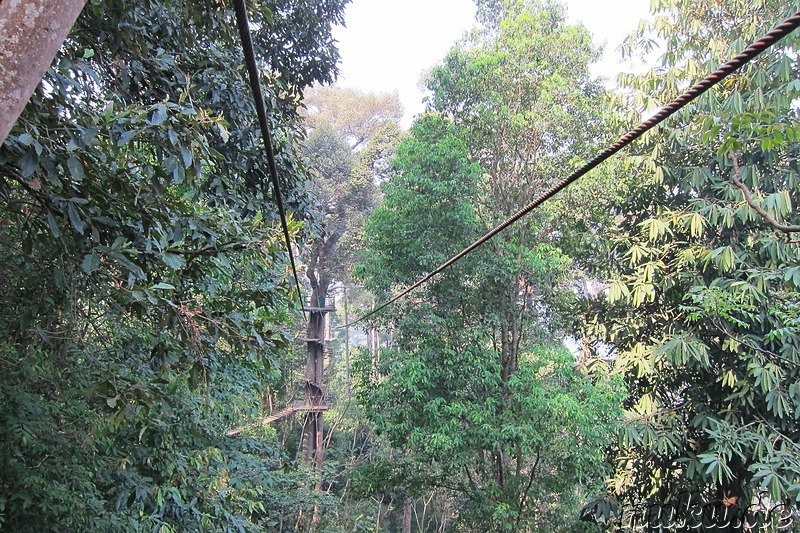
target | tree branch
[{"x": 748, "y": 197}]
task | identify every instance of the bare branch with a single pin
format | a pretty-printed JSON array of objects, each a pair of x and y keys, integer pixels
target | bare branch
[{"x": 748, "y": 197}]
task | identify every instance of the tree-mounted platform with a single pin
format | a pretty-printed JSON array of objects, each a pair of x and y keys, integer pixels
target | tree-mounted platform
[
  {"x": 328, "y": 309},
  {"x": 298, "y": 405}
]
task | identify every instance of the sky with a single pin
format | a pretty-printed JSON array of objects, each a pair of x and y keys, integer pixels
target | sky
[{"x": 387, "y": 45}]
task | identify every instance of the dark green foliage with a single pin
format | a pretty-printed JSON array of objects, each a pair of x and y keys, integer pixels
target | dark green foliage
[
  {"x": 426, "y": 207},
  {"x": 143, "y": 288},
  {"x": 484, "y": 410},
  {"x": 494, "y": 431}
]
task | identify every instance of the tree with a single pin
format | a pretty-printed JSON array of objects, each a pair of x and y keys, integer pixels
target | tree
[
  {"x": 472, "y": 348},
  {"x": 144, "y": 290},
  {"x": 701, "y": 306},
  {"x": 498, "y": 441},
  {"x": 527, "y": 114},
  {"x": 355, "y": 115},
  {"x": 343, "y": 184},
  {"x": 334, "y": 162},
  {"x": 351, "y": 135}
]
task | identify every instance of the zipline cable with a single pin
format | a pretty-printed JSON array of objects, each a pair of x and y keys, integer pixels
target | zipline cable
[
  {"x": 778, "y": 33},
  {"x": 243, "y": 24}
]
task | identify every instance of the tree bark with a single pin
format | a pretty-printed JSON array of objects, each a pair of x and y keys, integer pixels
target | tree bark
[
  {"x": 407, "y": 515},
  {"x": 32, "y": 32},
  {"x": 346, "y": 345}
]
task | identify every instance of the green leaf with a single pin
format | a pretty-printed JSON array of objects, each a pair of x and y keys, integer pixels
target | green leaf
[
  {"x": 29, "y": 163},
  {"x": 90, "y": 263},
  {"x": 186, "y": 155},
  {"x": 51, "y": 221},
  {"x": 126, "y": 137},
  {"x": 108, "y": 111},
  {"x": 75, "y": 218},
  {"x": 132, "y": 267},
  {"x": 89, "y": 134},
  {"x": 159, "y": 115},
  {"x": 174, "y": 261},
  {"x": 268, "y": 16},
  {"x": 163, "y": 285},
  {"x": 75, "y": 168},
  {"x": 697, "y": 224},
  {"x": 223, "y": 132},
  {"x": 178, "y": 174}
]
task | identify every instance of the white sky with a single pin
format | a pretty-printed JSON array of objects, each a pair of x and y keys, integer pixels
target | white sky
[{"x": 388, "y": 44}]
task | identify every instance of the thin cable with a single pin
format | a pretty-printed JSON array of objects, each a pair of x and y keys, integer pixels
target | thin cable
[
  {"x": 780, "y": 31},
  {"x": 252, "y": 70}
]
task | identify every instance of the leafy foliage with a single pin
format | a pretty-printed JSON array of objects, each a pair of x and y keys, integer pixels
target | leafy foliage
[
  {"x": 474, "y": 356},
  {"x": 701, "y": 300},
  {"x": 145, "y": 290},
  {"x": 496, "y": 437},
  {"x": 352, "y": 135}
]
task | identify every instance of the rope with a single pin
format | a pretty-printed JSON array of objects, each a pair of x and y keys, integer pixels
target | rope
[
  {"x": 779, "y": 32},
  {"x": 252, "y": 70}
]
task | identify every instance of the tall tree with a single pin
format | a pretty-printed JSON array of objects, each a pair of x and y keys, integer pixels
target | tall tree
[
  {"x": 476, "y": 354},
  {"x": 528, "y": 111},
  {"x": 144, "y": 288},
  {"x": 333, "y": 161},
  {"x": 357, "y": 116},
  {"x": 702, "y": 305},
  {"x": 345, "y": 185},
  {"x": 350, "y": 133},
  {"x": 494, "y": 440}
]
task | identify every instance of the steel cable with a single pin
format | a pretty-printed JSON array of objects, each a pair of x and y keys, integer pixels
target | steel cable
[
  {"x": 779, "y": 32},
  {"x": 243, "y": 25}
]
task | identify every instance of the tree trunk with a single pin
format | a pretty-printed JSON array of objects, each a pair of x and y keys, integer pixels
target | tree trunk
[
  {"x": 313, "y": 428},
  {"x": 407, "y": 515},
  {"x": 32, "y": 32},
  {"x": 346, "y": 345}
]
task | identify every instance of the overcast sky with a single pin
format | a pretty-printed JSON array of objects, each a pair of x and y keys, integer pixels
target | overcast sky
[{"x": 388, "y": 44}]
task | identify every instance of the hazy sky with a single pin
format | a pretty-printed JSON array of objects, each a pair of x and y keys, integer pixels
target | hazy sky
[{"x": 388, "y": 44}]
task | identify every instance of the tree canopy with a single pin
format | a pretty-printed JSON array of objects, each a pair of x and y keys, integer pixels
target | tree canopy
[
  {"x": 144, "y": 286},
  {"x": 484, "y": 388},
  {"x": 352, "y": 136},
  {"x": 633, "y": 344},
  {"x": 701, "y": 307}
]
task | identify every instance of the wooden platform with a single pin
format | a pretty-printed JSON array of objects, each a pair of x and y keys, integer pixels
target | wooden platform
[
  {"x": 294, "y": 407},
  {"x": 300, "y": 405},
  {"x": 319, "y": 309}
]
